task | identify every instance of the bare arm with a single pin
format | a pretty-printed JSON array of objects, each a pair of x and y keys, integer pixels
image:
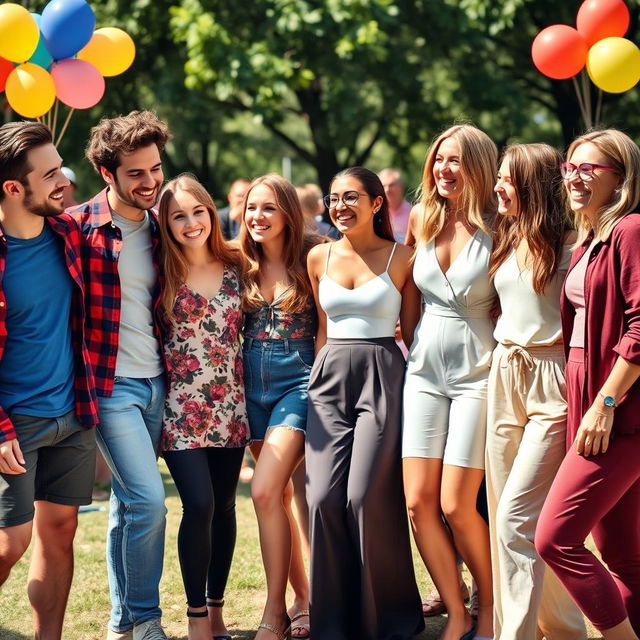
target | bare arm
[{"x": 315, "y": 263}]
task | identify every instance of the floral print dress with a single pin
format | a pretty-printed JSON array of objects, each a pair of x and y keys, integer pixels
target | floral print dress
[{"x": 205, "y": 405}]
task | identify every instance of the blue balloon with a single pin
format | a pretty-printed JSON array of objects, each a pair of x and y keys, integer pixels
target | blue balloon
[
  {"x": 66, "y": 26},
  {"x": 40, "y": 56}
]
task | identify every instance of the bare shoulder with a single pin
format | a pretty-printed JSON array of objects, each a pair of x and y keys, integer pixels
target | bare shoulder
[
  {"x": 317, "y": 257},
  {"x": 404, "y": 253}
]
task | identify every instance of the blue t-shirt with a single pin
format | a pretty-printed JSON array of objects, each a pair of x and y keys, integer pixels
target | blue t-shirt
[{"x": 36, "y": 370}]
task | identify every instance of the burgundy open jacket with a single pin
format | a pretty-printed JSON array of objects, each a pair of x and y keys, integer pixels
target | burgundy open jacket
[{"x": 612, "y": 323}]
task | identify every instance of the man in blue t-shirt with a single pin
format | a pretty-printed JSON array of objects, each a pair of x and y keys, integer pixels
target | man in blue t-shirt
[{"x": 47, "y": 390}]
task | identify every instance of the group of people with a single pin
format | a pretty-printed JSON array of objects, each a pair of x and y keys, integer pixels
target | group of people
[{"x": 132, "y": 312}]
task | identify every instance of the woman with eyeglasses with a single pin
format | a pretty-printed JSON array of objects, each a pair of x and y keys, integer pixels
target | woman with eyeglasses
[
  {"x": 445, "y": 391},
  {"x": 597, "y": 488},
  {"x": 527, "y": 407},
  {"x": 362, "y": 580}
]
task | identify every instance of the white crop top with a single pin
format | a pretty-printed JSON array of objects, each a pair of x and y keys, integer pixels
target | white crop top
[
  {"x": 368, "y": 311},
  {"x": 528, "y": 319}
]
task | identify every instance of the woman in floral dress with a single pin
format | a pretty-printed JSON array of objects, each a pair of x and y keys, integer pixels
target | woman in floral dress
[{"x": 205, "y": 427}]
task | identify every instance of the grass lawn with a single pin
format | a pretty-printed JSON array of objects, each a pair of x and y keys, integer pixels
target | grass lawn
[{"x": 88, "y": 609}]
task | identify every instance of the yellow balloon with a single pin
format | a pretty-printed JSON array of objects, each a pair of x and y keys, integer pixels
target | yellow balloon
[
  {"x": 19, "y": 33},
  {"x": 30, "y": 90},
  {"x": 110, "y": 50},
  {"x": 613, "y": 64}
]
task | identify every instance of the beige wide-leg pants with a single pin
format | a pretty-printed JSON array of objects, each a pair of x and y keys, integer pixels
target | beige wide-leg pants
[{"x": 526, "y": 427}]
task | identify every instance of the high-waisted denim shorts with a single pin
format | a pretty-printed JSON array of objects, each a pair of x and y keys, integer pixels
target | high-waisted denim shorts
[{"x": 276, "y": 377}]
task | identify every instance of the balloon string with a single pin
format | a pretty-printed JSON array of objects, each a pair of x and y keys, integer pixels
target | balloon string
[
  {"x": 586, "y": 88},
  {"x": 599, "y": 108},
  {"x": 55, "y": 119},
  {"x": 64, "y": 126},
  {"x": 583, "y": 110}
]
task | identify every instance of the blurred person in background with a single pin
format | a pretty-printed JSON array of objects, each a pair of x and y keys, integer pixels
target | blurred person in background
[
  {"x": 399, "y": 208},
  {"x": 231, "y": 216}
]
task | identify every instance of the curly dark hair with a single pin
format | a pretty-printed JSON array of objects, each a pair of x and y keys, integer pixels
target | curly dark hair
[{"x": 112, "y": 137}]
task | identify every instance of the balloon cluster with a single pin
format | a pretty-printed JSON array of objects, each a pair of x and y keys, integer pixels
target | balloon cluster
[
  {"x": 612, "y": 62},
  {"x": 58, "y": 55}
]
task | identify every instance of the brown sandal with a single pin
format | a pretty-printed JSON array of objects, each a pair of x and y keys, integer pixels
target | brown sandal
[
  {"x": 280, "y": 635},
  {"x": 304, "y": 626},
  {"x": 433, "y": 605}
]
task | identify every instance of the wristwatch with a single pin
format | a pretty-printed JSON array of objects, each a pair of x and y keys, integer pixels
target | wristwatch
[{"x": 609, "y": 401}]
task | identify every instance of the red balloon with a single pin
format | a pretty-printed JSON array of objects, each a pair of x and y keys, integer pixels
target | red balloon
[
  {"x": 559, "y": 52},
  {"x": 598, "y": 19},
  {"x": 6, "y": 67}
]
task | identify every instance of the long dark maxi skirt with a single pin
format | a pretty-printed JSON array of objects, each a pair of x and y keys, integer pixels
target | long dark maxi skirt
[{"x": 362, "y": 581}]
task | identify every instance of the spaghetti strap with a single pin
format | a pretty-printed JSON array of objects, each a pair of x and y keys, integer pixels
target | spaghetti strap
[
  {"x": 390, "y": 257},
  {"x": 326, "y": 265}
]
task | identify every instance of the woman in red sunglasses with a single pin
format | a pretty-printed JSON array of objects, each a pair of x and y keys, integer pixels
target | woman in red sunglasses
[{"x": 597, "y": 488}]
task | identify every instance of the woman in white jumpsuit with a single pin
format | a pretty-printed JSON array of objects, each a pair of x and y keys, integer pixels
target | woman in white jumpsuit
[{"x": 445, "y": 393}]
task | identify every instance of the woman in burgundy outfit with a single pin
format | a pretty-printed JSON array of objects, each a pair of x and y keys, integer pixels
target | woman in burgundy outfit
[{"x": 597, "y": 489}]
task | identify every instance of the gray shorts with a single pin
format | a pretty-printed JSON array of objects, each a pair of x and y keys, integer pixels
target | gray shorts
[{"x": 60, "y": 460}]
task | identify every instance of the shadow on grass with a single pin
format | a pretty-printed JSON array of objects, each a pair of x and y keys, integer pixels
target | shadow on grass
[
  {"x": 236, "y": 634},
  {"x": 12, "y": 635}
]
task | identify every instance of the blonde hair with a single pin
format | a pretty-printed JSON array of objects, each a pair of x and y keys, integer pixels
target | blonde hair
[
  {"x": 310, "y": 197},
  {"x": 174, "y": 265},
  {"x": 624, "y": 156},
  {"x": 478, "y": 160},
  {"x": 297, "y": 243},
  {"x": 540, "y": 219}
]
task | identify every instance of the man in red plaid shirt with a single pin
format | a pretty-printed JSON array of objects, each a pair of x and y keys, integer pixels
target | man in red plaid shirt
[
  {"x": 47, "y": 393},
  {"x": 120, "y": 262}
]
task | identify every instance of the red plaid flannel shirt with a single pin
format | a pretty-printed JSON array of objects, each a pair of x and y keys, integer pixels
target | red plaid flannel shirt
[
  {"x": 101, "y": 245},
  {"x": 86, "y": 405}
]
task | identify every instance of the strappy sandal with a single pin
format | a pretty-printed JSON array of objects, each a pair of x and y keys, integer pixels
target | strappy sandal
[
  {"x": 304, "y": 626},
  {"x": 218, "y": 604},
  {"x": 433, "y": 605},
  {"x": 280, "y": 635}
]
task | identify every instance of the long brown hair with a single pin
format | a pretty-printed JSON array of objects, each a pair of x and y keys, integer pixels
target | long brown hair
[
  {"x": 174, "y": 265},
  {"x": 540, "y": 219},
  {"x": 624, "y": 156},
  {"x": 297, "y": 243},
  {"x": 478, "y": 160}
]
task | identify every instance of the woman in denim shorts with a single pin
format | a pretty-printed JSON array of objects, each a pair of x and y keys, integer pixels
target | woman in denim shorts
[{"x": 279, "y": 333}]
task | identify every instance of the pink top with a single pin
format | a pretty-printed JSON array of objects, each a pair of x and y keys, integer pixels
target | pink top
[
  {"x": 400, "y": 220},
  {"x": 574, "y": 290}
]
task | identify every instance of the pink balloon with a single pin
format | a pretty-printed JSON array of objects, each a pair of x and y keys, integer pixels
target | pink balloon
[{"x": 78, "y": 83}]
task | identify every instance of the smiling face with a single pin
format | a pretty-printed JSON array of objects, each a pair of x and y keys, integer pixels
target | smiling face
[
  {"x": 506, "y": 191},
  {"x": 588, "y": 197},
  {"x": 447, "y": 171},
  {"x": 264, "y": 219},
  {"x": 189, "y": 220},
  {"x": 348, "y": 218},
  {"x": 136, "y": 182},
  {"x": 44, "y": 184}
]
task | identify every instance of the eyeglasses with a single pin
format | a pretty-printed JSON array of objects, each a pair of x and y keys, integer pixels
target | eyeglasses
[
  {"x": 349, "y": 199},
  {"x": 585, "y": 170}
]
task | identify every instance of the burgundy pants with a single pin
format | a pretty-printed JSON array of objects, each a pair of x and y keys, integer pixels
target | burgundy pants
[{"x": 598, "y": 495}]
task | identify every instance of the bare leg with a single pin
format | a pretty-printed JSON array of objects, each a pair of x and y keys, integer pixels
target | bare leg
[
  {"x": 622, "y": 631},
  {"x": 471, "y": 535},
  {"x": 297, "y": 572},
  {"x": 276, "y": 459},
  {"x": 51, "y": 568},
  {"x": 422, "y": 478},
  {"x": 13, "y": 543},
  {"x": 198, "y": 627}
]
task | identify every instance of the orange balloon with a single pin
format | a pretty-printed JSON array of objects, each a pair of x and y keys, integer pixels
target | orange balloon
[
  {"x": 598, "y": 19},
  {"x": 559, "y": 52},
  {"x": 111, "y": 51}
]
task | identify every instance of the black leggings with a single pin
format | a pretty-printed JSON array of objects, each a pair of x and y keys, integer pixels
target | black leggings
[{"x": 206, "y": 480}]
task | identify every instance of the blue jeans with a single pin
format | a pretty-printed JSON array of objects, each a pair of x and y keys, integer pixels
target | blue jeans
[
  {"x": 276, "y": 377},
  {"x": 128, "y": 436}
]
